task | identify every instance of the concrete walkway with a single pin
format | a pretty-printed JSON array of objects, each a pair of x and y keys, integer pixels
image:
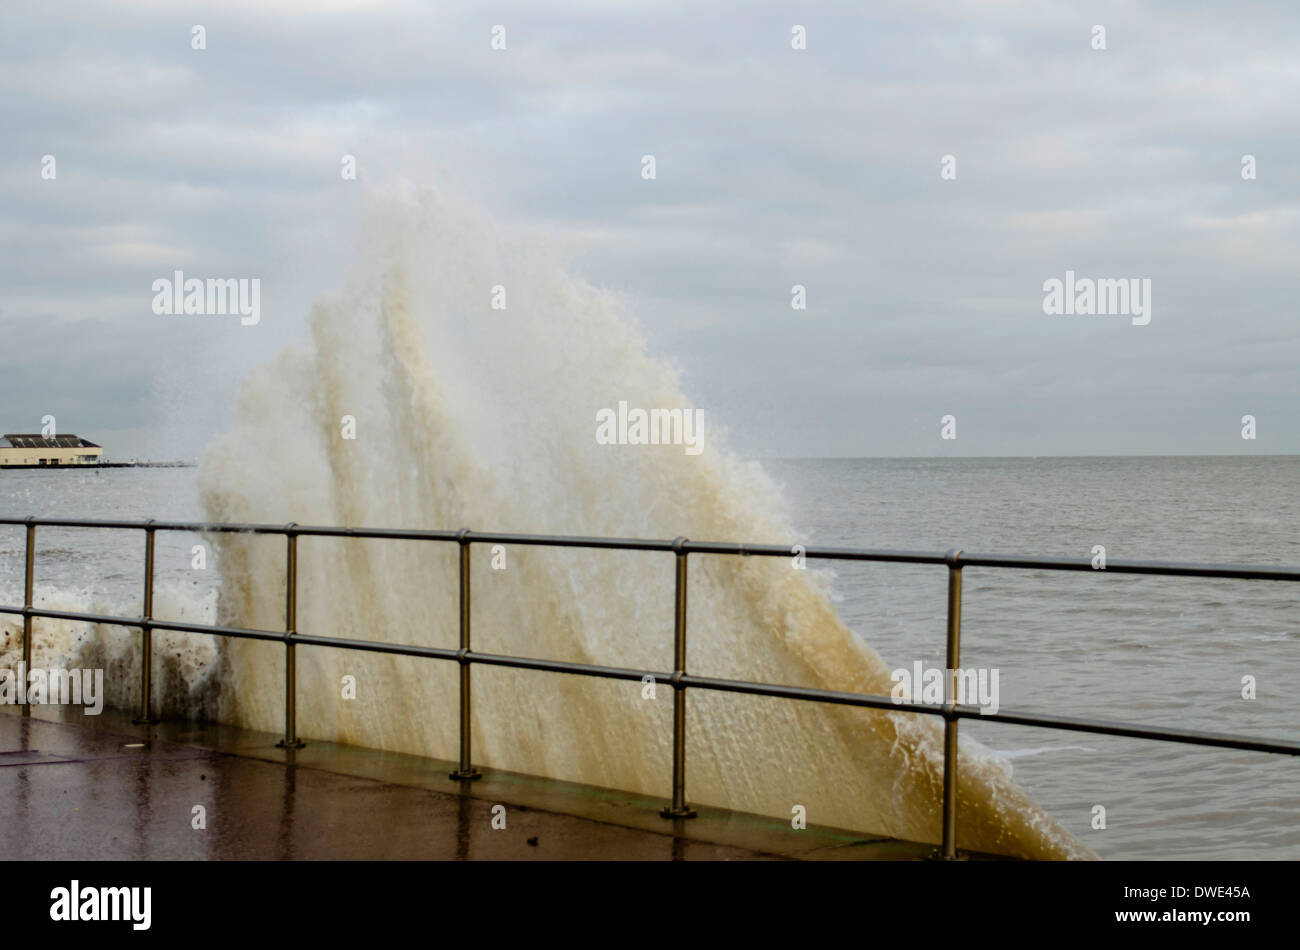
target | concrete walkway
[{"x": 90, "y": 788}]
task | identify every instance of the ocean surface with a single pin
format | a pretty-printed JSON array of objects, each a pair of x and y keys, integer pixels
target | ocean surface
[{"x": 1157, "y": 651}]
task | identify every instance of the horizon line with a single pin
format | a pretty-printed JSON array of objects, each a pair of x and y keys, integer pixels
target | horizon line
[{"x": 948, "y": 458}]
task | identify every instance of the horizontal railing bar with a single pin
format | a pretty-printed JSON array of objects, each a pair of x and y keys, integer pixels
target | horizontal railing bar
[
  {"x": 488, "y": 659},
  {"x": 374, "y": 646},
  {"x": 75, "y": 523},
  {"x": 1104, "y": 727},
  {"x": 394, "y": 534},
  {"x": 365, "y": 646},
  {"x": 810, "y": 694},
  {"x": 1121, "y": 566},
  {"x": 1024, "y": 562},
  {"x": 209, "y": 527},
  {"x": 241, "y": 633},
  {"x": 967, "y": 711},
  {"x": 72, "y": 615},
  {"x": 818, "y": 553},
  {"x": 568, "y": 541},
  {"x": 802, "y": 693},
  {"x": 562, "y": 666}
]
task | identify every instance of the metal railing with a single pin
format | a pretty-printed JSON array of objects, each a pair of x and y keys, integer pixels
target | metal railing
[{"x": 951, "y": 711}]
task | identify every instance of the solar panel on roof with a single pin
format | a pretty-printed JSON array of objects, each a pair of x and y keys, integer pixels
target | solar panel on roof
[{"x": 24, "y": 441}]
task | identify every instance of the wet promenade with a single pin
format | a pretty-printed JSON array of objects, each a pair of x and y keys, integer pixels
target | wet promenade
[{"x": 90, "y": 788}]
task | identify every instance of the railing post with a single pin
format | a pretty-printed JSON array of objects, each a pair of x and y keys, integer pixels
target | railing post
[
  {"x": 949, "y": 852},
  {"x": 679, "y": 808},
  {"x": 27, "y": 603},
  {"x": 465, "y": 772},
  {"x": 146, "y": 631},
  {"x": 290, "y": 740}
]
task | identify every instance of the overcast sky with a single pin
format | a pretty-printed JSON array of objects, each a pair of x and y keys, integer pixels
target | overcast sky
[{"x": 775, "y": 167}]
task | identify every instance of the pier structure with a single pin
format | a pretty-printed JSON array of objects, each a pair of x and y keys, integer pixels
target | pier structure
[{"x": 39, "y": 451}]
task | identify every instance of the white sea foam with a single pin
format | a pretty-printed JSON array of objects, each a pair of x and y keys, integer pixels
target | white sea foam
[{"x": 472, "y": 417}]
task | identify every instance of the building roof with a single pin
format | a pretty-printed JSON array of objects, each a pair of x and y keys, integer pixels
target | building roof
[{"x": 44, "y": 442}]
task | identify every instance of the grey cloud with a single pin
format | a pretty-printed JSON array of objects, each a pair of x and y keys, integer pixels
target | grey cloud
[{"x": 775, "y": 167}]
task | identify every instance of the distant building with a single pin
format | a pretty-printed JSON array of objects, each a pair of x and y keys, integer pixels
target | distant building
[{"x": 51, "y": 450}]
